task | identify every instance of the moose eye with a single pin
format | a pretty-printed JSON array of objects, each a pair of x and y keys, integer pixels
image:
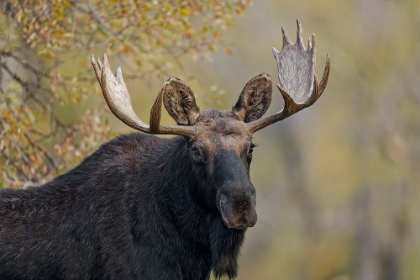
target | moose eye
[
  {"x": 196, "y": 153},
  {"x": 251, "y": 149},
  {"x": 249, "y": 155}
]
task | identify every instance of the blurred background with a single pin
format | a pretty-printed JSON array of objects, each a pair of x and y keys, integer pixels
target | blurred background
[{"x": 337, "y": 184}]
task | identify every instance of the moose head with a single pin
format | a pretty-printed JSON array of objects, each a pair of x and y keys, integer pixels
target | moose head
[{"x": 220, "y": 142}]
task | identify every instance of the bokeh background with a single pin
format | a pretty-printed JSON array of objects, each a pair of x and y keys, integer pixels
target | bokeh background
[{"x": 338, "y": 192}]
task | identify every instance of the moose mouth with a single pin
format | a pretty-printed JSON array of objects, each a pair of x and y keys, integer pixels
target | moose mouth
[{"x": 239, "y": 214}]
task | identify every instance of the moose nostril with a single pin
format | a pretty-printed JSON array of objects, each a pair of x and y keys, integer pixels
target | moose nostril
[
  {"x": 242, "y": 204},
  {"x": 238, "y": 210}
]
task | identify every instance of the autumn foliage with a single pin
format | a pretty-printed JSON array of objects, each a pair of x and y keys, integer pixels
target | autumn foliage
[{"x": 41, "y": 40}]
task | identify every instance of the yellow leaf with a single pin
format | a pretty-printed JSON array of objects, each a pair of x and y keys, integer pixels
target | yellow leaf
[
  {"x": 185, "y": 12},
  {"x": 190, "y": 32}
]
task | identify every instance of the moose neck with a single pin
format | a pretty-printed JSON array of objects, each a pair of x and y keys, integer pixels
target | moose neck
[{"x": 197, "y": 224}]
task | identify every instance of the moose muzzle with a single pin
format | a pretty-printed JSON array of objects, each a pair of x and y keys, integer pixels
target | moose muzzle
[
  {"x": 237, "y": 207},
  {"x": 235, "y": 198}
]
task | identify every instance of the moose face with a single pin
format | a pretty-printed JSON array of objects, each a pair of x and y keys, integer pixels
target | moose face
[
  {"x": 221, "y": 148},
  {"x": 221, "y": 152}
]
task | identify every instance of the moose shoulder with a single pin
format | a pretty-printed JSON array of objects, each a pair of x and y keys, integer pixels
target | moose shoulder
[{"x": 144, "y": 207}]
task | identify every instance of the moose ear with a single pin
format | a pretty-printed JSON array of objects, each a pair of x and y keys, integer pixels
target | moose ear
[
  {"x": 255, "y": 99},
  {"x": 179, "y": 101}
]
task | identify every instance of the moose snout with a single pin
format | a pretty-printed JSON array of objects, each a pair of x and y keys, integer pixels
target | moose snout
[{"x": 237, "y": 207}]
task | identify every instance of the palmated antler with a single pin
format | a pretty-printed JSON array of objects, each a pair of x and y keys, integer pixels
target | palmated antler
[
  {"x": 118, "y": 99},
  {"x": 298, "y": 81}
]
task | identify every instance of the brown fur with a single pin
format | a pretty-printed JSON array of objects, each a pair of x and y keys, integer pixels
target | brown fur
[{"x": 221, "y": 131}]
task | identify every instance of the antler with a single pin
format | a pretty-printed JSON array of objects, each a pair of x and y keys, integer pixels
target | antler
[
  {"x": 298, "y": 81},
  {"x": 118, "y": 99}
]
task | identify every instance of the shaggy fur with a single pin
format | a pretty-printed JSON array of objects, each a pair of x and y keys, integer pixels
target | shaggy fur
[
  {"x": 143, "y": 207},
  {"x": 126, "y": 212}
]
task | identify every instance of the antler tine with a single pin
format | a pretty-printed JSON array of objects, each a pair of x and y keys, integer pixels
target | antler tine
[
  {"x": 309, "y": 44},
  {"x": 324, "y": 79},
  {"x": 298, "y": 82},
  {"x": 299, "y": 40},
  {"x": 286, "y": 39},
  {"x": 156, "y": 113},
  {"x": 118, "y": 99},
  {"x": 116, "y": 94},
  {"x": 97, "y": 68}
]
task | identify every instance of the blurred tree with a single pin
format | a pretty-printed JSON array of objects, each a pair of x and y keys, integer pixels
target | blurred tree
[{"x": 40, "y": 40}]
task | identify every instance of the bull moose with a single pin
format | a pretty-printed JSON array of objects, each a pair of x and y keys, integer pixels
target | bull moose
[{"x": 144, "y": 207}]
